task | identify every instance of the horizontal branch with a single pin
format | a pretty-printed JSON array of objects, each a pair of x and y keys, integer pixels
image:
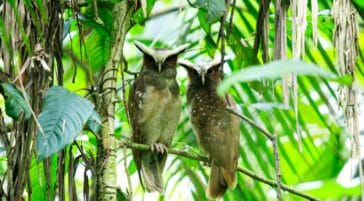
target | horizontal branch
[
  {"x": 252, "y": 123},
  {"x": 144, "y": 147},
  {"x": 198, "y": 157}
]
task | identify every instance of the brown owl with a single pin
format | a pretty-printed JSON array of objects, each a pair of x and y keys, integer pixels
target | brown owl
[
  {"x": 216, "y": 129},
  {"x": 154, "y": 109}
]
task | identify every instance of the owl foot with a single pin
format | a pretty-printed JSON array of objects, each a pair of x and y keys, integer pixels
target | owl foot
[{"x": 158, "y": 148}]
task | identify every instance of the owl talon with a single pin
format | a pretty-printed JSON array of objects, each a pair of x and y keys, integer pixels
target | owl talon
[{"x": 158, "y": 148}]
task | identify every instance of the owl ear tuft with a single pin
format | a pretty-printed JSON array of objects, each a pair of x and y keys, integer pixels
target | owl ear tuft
[
  {"x": 178, "y": 50},
  {"x": 217, "y": 62},
  {"x": 186, "y": 64},
  {"x": 145, "y": 49}
]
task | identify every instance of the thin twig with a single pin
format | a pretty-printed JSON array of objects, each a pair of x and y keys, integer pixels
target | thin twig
[
  {"x": 205, "y": 160},
  {"x": 231, "y": 19},
  {"x": 274, "y": 184},
  {"x": 24, "y": 93},
  {"x": 273, "y": 139},
  {"x": 165, "y": 11},
  {"x": 222, "y": 36},
  {"x": 278, "y": 169},
  {"x": 130, "y": 186},
  {"x": 252, "y": 123},
  {"x": 96, "y": 10},
  {"x": 89, "y": 164},
  {"x": 144, "y": 147}
]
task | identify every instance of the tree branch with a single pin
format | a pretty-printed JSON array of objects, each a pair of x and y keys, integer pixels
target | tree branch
[
  {"x": 252, "y": 123},
  {"x": 198, "y": 157},
  {"x": 273, "y": 139}
]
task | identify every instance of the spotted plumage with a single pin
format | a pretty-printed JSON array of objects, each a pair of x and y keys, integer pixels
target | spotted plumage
[{"x": 216, "y": 129}]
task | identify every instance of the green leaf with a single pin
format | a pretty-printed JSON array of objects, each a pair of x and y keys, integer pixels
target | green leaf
[
  {"x": 359, "y": 5},
  {"x": 62, "y": 118},
  {"x": 98, "y": 50},
  {"x": 276, "y": 70},
  {"x": 132, "y": 168},
  {"x": 94, "y": 122},
  {"x": 139, "y": 16},
  {"x": 202, "y": 19},
  {"x": 214, "y": 9},
  {"x": 15, "y": 104},
  {"x": 38, "y": 179},
  {"x": 120, "y": 195},
  {"x": 210, "y": 46}
]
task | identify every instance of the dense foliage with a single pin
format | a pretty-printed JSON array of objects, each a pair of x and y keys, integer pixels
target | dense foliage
[{"x": 314, "y": 147}]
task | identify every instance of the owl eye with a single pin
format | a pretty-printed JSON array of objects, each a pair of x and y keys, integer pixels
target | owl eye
[
  {"x": 193, "y": 73},
  {"x": 211, "y": 71},
  {"x": 171, "y": 61}
]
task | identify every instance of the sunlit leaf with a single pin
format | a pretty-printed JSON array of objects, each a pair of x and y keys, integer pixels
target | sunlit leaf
[{"x": 275, "y": 70}]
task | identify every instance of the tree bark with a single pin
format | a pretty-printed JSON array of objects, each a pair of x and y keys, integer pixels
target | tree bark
[{"x": 346, "y": 44}]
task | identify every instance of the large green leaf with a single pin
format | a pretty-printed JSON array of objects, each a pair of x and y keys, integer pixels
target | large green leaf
[
  {"x": 62, "y": 118},
  {"x": 15, "y": 104},
  {"x": 276, "y": 70},
  {"x": 214, "y": 9}
]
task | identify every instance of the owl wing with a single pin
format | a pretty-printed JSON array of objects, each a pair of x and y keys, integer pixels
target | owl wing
[
  {"x": 228, "y": 135},
  {"x": 234, "y": 131},
  {"x": 134, "y": 106}
]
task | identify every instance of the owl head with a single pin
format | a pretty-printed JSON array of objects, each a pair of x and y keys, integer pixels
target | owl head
[
  {"x": 157, "y": 58},
  {"x": 207, "y": 73}
]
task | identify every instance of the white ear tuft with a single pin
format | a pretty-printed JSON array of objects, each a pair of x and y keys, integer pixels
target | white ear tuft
[{"x": 145, "y": 49}]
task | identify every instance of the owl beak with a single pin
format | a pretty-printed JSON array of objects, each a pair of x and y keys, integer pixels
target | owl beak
[
  {"x": 203, "y": 79},
  {"x": 159, "y": 67}
]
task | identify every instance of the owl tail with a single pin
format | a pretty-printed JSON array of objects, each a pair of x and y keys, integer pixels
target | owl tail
[
  {"x": 220, "y": 180},
  {"x": 151, "y": 173}
]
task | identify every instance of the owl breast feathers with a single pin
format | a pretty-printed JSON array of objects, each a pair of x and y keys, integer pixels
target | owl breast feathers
[
  {"x": 216, "y": 129},
  {"x": 154, "y": 108}
]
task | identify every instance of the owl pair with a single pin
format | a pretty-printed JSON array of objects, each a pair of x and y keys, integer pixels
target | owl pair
[{"x": 155, "y": 108}]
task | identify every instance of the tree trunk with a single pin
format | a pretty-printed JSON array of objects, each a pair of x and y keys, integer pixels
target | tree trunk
[{"x": 106, "y": 153}]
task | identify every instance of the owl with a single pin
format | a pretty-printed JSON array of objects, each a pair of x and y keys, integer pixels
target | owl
[
  {"x": 216, "y": 129},
  {"x": 154, "y": 109}
]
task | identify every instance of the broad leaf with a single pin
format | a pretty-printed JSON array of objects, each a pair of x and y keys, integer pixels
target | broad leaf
[
  {"x": 62, "y": 118},
  {"x": 214, "y": 9},
  {"x": 15, "y": 103},
  {"x": 276, "y": 70}
]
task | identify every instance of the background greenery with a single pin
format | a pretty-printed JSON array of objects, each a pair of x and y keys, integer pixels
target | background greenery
[{"x": 320, "y": 166}]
